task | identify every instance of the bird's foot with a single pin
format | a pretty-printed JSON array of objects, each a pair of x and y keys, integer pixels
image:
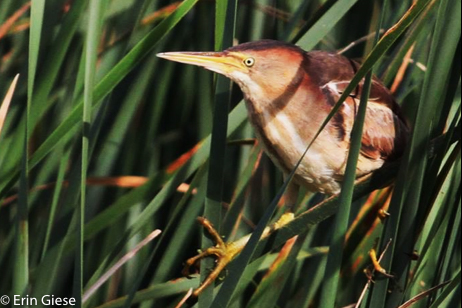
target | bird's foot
[
  {"x": 376, "y": 263},
  {"x": 224, "y": 253}
]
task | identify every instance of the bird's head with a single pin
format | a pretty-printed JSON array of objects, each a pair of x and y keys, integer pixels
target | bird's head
[{"x": 262, "y": 69}]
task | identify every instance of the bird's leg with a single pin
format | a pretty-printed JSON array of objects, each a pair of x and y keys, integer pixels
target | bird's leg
[
  {"x": 291, "y": 196},
  {"x": 226, "y": 252}
]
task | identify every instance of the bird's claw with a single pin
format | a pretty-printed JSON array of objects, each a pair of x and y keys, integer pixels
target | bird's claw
[
  {"x": 376, "y": 263},
  {"x": 224, "y": 253}
]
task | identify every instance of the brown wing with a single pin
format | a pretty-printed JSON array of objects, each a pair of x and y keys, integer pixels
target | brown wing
[
  {"x": 385, "y": 129},
  {"x": 385, "y": 134}
]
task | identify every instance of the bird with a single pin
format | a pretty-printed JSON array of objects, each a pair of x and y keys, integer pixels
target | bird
[{"x": 289, "y": 93}]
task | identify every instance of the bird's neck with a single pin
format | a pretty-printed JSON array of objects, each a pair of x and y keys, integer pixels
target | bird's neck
[
  {"x": 295, "y": 103},
  {"x": 281, "y": 122}
]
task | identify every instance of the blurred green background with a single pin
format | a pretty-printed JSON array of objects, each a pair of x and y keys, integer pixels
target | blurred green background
[{"x": 103, "y": 143}]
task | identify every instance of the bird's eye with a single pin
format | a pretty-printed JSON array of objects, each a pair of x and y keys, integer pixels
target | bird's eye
[{"x": 249, "y": 62}]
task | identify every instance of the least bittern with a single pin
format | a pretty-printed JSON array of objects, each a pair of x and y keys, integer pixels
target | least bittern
[{"x": 289, "y": 93}]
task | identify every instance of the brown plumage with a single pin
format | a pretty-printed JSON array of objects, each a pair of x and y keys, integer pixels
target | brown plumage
[{"x": 289, "y": 93}]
